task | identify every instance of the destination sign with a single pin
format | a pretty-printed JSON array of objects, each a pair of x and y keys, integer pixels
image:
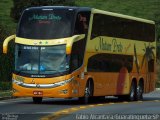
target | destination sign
[{"x": 45, "y": 17}]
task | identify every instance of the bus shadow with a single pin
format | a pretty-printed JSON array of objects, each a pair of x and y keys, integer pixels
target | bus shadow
[{"x": 76, "y": 102}]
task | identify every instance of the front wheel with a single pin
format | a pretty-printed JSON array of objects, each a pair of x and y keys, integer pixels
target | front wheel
[
  {"x": 87, "y": 93},
  {"x": 37, "y": 100}
]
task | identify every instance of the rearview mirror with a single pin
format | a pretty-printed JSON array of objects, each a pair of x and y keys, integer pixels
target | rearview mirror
[{"x": 5, "y": 43}]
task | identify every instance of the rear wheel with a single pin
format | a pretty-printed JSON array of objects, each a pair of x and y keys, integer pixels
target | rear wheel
[
  {"x": 88, "y": 93},
  {"x": 132, "y": 94},
  {"x": 37, "y": 100},
  {"x": 139, "y": 95}
]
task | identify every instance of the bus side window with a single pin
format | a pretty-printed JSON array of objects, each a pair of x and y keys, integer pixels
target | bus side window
[
  {"x": 82, "y": 23},
  {"x": 76, "y": 61}
]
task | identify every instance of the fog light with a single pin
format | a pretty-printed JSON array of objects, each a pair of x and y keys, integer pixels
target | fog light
[{"x": 65, "y": 91}]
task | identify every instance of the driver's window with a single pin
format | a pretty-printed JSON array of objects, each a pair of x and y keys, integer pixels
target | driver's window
[
  {"x": 82, "y": 23},
  {"x": 76, "y": 61}
]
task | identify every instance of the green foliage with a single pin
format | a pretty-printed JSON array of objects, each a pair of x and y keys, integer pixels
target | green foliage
[
  {"x": 6, "y": 61},
  {"x": 5, "y": 93},
  {"x": 5, "y": 85},
  {"x": 5, "y": 20},
  {"x": 158, "y": 85},
  {"x": 20, "y": 5}
]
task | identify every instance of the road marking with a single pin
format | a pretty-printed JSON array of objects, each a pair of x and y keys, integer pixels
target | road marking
[
  {"x": 74, "y": 109},
  {"x": 17, "y": 100},
  {"x": 65, "y": 112},
  {"x": 111, "y": 103},
  {"x": 43, "y": 112},
  {"x": 100, "y": 104},
  {"x": 82, "y": 107},
  {"x": 91, "y": 105},
  {"x": 60, "y": 113},
  {"x": 2, "y": 102},
  {"x": 125, "y": 102}
]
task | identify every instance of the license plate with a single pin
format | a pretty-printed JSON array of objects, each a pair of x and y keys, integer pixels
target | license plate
[{"x": 37, "y": 92}]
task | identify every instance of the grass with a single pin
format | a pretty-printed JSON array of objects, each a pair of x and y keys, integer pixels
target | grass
[
  {"x": 158, "y": 84},
  {"x": 5, "y": 20},
  {"x": 5, "y": 85},
  {"x": 148, "y": 9},
  {"x": 7, "y": 93}
]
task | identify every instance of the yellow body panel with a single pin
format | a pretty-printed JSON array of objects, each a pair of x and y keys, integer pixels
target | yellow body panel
[{"x": 75, "y": 88}]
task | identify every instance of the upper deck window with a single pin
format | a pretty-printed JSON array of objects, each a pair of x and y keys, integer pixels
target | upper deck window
[
  {"x": 106, "y": 25},
  {"x": 46, "y": 23}
]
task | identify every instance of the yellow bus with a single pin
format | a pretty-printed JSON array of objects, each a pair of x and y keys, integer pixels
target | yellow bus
[{"x": 68, "y": 52}]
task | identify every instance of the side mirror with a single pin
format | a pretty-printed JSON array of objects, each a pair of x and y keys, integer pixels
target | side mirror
[
  {"x": 78, "y": 37},
  {"x": 5, "y": 43},
  {"x": 73, "y": 39}
]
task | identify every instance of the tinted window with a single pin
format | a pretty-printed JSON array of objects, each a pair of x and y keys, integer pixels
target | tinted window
[
  {"x": 109, "y": 63},
  {"x": 46, "y": 24},
  {"x": 77, "y": 54},
  {"x": 82, "y": 23},
  {"x": 41, "y": 60},
  {"x": 104, "y": 25},
  {"x": 78, "y": 47}
]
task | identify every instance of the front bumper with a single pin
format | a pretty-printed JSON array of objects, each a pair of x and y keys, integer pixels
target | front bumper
[{"x": 57, "y": 90}]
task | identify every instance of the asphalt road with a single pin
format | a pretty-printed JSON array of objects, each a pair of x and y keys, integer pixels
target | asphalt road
[{"x": 63, "y": 109}]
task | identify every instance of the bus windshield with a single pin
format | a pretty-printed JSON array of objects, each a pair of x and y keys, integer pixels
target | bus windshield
[
  {"x": 41, "y": 60},
  {"x": 46, "y": 24}
]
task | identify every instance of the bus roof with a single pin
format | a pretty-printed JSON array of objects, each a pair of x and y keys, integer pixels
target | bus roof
[
  {"x": 93, "y": 10},
  {"x": 122, "y": 16},
  {"x": 60, "y": 7}
]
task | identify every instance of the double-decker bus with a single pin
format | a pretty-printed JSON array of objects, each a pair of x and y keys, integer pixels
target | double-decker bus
[{"x": 67, "y": 52}]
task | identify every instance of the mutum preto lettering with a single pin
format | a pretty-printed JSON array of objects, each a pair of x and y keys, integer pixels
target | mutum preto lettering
[{"x": 114, "y": 46}]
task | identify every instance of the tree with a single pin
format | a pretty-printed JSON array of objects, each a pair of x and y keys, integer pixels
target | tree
[{"x": 20, "y": 5}]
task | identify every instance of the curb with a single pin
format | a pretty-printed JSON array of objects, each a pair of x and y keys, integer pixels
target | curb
[
  {"x": 8, "y": 97},
  {"x": 157, "y": 88}
]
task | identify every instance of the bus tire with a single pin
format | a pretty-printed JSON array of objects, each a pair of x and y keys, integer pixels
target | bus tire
[
  {"x": 139, "y": 95},
  {"x": 88, "y": 93},
  {"x": 132, "y": 94},
  {"x": 37, "y": 100}
]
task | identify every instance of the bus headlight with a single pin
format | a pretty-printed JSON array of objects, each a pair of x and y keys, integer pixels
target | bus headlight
[
  {"x": 17, "y": 82},
  {"x": 64, "y": 82}
]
